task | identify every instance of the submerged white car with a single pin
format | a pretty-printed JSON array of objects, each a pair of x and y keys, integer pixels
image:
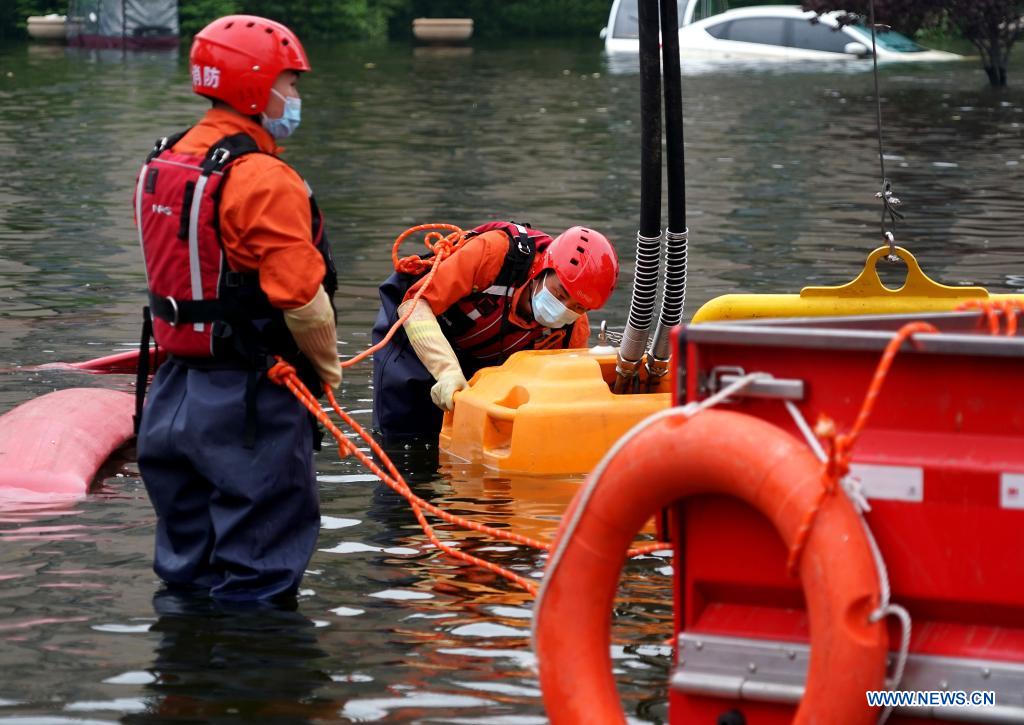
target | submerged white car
[{"x": 766, "y": 32}]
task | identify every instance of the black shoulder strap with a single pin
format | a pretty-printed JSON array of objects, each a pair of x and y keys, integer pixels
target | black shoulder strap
[
  {"x": 228, "y": 149},
  {"x": 162, "y": 144},
  {"x": 519, "y": 258}
]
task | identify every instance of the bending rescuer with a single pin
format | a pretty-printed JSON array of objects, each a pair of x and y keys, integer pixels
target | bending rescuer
[
  {"x": 239, "y": 270},
  {"x": 506, "y": 288}
]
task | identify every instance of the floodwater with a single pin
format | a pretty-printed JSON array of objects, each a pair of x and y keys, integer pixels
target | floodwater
[{"x": 782, "y": 169}]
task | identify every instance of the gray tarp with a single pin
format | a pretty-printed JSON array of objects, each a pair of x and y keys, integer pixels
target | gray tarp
[{"x": 123, "y": 18}]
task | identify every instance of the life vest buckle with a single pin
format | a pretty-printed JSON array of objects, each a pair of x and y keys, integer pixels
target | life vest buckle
[
  {"x": 215, "y": 160},
  {"x": 173, "y": 322}
]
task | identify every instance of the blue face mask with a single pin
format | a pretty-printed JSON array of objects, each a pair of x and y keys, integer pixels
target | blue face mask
[
  {"x": 549, "y": 311},
  {"x": 284, "y": 126}
]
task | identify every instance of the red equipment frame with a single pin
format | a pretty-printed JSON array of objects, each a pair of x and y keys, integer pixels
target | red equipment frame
[{"x": 942, "y": 463}]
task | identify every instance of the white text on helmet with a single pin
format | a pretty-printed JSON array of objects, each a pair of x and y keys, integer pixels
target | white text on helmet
[{"x": 205, "y": 76}]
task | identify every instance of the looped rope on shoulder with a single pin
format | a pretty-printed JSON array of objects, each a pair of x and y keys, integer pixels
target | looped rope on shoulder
[{"x": 440, "y": 245}]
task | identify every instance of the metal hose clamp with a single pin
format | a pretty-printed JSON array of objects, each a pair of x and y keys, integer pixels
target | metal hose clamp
[{"x": 677, "y": 236}]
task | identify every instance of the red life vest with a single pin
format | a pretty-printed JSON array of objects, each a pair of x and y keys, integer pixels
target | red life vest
[
  {"x": 200, "y": 308},
  {"x": 478, "y": 326}
]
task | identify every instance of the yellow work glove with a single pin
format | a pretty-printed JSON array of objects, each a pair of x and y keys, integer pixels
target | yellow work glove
[
  {"x": 435, "y": 352},
  {"x": 312, "y": 326},
  {"x": 444, "y": 390}
]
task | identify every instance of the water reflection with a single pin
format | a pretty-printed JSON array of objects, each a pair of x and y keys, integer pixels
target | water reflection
[{"x": 215, "y": 661}]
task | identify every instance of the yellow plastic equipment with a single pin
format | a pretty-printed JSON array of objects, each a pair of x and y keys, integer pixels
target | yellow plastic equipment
[
  {"x": 866, "y": 295},
  {"x": 552, "y": 412},
  {"x": 544, "y": 412}
]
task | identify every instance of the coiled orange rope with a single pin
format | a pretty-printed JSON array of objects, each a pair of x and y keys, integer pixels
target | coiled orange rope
[
  {"x": 840, "y": 445},
  {"x": 441, "y": 246},
  {"x": 284, "y": 374}
]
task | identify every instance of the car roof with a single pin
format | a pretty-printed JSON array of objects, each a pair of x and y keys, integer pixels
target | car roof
[{"x": 769, "y": 11}]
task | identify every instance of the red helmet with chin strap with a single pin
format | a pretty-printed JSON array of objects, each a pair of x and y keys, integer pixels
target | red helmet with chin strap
[
  {"x": 585, "y": 263},
  {"x": 236, "y": 59}
]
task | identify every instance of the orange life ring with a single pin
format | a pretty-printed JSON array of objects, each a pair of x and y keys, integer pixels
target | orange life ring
[{"x": 661, "y": 461}]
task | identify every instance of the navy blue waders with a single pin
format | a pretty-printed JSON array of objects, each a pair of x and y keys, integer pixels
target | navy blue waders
[{"x": 241, "y": 521}]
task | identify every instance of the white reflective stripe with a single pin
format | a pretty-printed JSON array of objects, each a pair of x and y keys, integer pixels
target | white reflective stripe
[
  {"x": 498, "y": 290},
  {"x": 890, "y": 483},
  {"x": 479, "y": 333},
  {"x": 194, "y": 269},
  {"x": 505, "y": 348},
  {"x": 138, "y": 215},
  {"x": 193, "y": 167},
  {"x": 473, "y": 314},
  {"x": 309, "y": 189},
  {"x": 1011, "y": 490}
]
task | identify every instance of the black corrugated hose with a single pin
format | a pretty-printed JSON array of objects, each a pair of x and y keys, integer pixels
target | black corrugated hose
[
  {"x": 648, "y": 238},
  {"x": 673, "y": 294}
]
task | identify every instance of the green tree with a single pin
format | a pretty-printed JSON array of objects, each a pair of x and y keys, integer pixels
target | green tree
[
  {"x": 14, "y": 12},
  {"x": 992, "y": 26},
  {"x": 366, "y": 19},
  {"x": 193, "y": 15},
  {"x": 324, "y": 19},
  {"x": 510, "y": 18}
]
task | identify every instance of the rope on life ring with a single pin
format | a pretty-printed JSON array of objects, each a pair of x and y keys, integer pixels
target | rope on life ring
[{"x": 716, "y": 452}]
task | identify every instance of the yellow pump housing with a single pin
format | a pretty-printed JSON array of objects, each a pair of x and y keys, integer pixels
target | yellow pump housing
[
  {"x": 547, "y": 412},
  {"x": 552, "y": 412}
]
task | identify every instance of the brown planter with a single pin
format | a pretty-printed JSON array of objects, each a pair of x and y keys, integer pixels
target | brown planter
[{"x": 442, "y": 31}]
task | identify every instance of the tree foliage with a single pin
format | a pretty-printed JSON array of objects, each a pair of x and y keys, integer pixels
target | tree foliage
[
  {"x": 366, "y": 19},
  {"x": 14, "y": 12},
  {"x": 510, "y": 18},
  {"x": 992, "y": 26}
]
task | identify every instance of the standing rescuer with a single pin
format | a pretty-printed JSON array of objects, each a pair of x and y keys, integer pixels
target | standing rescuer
[
  {"x": 506, "y": 288},
  {"x": 239, "y": 271}
]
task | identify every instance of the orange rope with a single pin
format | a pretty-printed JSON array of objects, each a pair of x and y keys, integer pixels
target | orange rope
[
  {"x": 992, "y": 308},
  {"x": 442, "y": 247},
  {"x": 284, "y": 374},
  {"x": 840, "y": 445}
]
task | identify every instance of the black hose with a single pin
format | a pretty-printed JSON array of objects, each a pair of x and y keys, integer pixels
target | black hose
[
  {"x": 650, "y": 121},
  {"x": 673, "y": 295},
  {"x": 648, "y": 238},
  {"x": 673, "y": 117}
]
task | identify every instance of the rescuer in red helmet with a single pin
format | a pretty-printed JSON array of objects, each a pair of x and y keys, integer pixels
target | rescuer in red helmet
[
  {"x": 239, "y": 271},
  {"x": 507, "y": 288}
]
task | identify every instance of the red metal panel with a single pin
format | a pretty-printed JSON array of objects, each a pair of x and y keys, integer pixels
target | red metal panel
[{"x": 954, "y": 556}]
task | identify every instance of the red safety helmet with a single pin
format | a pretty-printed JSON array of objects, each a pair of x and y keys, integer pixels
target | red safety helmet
[
  {"x": 585, "y": 263},
  {"x": 237, "y": 59}
]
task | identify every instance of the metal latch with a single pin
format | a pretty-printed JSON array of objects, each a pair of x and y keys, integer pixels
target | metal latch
[{"x": 774, "y": 388}]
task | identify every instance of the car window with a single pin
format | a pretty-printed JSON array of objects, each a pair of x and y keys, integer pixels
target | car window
[
  {"x": 719, "y": 30},
  {"x": 627, "y": 24},
  {"x": 767, "y": 31},
  {"x": 888, "y": 39},
  {"x": 816, "y": 36}
]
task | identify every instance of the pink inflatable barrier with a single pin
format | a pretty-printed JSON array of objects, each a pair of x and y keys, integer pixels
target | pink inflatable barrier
[{"x": 57, "y": 442}]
